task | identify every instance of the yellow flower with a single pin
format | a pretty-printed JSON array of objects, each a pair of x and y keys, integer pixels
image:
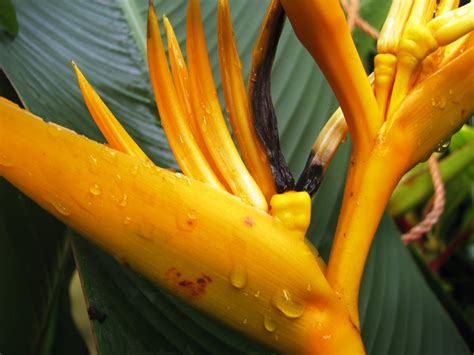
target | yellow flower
[{"x": 228, "y": 235}]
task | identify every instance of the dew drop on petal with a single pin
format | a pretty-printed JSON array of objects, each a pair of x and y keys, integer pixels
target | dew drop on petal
[
  {"x": 62, "y": 208},
  {"x": 288, "y": 305},
  {"x": 269, "y": 324},
  {"x": 93, "y": 165},
  {"x": 123, "y": 201},
  {"x": 54, "y": 129},
  {"x": 134, "y": 170},
  {"x": 127, "y": 220},
  {"x": 5, "y": 160},
  {"x": 238, "y": 276},
  {"x": 95, "y": 189}
]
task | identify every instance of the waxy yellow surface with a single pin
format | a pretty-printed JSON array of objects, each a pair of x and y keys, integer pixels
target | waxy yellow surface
[{"x": 224, "y": 257}]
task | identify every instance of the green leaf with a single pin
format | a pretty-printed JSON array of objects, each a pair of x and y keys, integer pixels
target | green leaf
[
  {"x": 35, "y": 266},
  {"x": 399, "y": 312},
  {"x": 8, "y": 19}
]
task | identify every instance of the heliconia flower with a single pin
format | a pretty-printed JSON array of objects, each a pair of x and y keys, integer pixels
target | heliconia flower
[
  {"x": 227, "y": 235},
  {"x": 423, "y": 92},
  {"x": 218, "y": 236}
]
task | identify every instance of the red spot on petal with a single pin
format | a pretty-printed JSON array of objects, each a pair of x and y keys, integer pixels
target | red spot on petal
[{"x": 248, "y": 221}]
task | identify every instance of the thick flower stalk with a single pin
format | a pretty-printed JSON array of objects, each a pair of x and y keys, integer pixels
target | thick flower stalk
[{"x": 423, "y": 92}]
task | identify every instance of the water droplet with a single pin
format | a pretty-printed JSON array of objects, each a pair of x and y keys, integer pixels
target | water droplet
[
  {"x": 433, "y": 101},
  {"x": 269, "y": 324},
  {"x": 127, "y": 220},
  {"x": 93, "y": 165},
  {"x": 257, "y": 294},
  {"x": 327, "y": 337},
  {"x": 244, "y": 321},
  {"x": 147, "y": 164},
  {"x": 134, "y": 170},
  {"x": 253, "y": 78},
  {"x": 54, "y": 129},
  {"x": 123, "y": 201},
  {"x": 61, "y": 208},
  {"x": 208, "y": 109},
  {"x": 238, "y": 276},
  {"x": 308, "y": 288},
  {"x": 288, "y": 305},
  {"x": 443, "y": 146},
  {"x": 5, "y": 160},
  {"x": 95, "y": 190}
]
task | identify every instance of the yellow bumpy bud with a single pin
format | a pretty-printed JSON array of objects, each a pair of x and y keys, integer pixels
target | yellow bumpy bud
[
  {"x": 293, "y": 209},
  {"x": 385, "y": 68},
  {"x": 416, "y": 44}
]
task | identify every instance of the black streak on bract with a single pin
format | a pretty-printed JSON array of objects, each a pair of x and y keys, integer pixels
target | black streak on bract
[
  {"x": 311, "y": 177},
  {"x": 263, "y": 112}
]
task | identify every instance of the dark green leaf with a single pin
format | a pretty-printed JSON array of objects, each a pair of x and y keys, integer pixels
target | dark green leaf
[
  {"x": 34, "y": 269},
  {"x": 8, "y": 19}
]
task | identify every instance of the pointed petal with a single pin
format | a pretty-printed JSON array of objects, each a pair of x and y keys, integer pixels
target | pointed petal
[
  {"x": 213, "y": 126},
  {"x": 249, "y": 144},
  {"x": 183, "y": 88},
  {"x": 173, "y": 115},
  {"x": 116, "y": 135}
]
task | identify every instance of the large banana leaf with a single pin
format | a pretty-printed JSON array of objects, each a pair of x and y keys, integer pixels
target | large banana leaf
[{"x": 107, "y": 39}]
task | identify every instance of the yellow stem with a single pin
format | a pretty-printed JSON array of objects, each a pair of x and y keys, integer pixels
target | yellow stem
[{"x": 368, "y": 189}]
